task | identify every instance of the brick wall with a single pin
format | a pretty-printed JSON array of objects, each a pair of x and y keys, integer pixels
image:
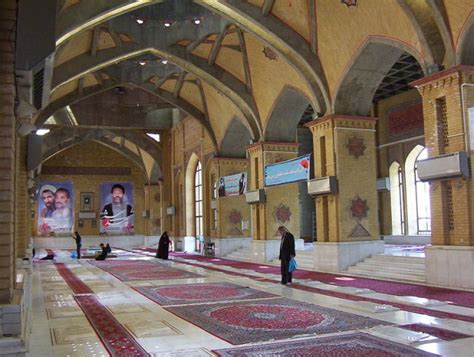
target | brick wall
[{"x": 7, "y": 147}]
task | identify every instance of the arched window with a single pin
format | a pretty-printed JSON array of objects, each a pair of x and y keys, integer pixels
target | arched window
[
  {"x": 417, "y": 193},
  {"x": 423, "y": 203},
  {"x": 396, "y": 199},
  {"x": 198, "y": 201}
]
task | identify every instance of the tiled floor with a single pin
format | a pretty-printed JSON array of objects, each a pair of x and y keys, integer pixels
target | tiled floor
[{"x": 60, "y": 328}]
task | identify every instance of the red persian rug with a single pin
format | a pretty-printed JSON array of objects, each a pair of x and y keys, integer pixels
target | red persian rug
[
  {"x": 253, "y": 321},
  {"x": 76, "y": 284},
  {"x": 200, "y": 293},
  {"x": 117, "y": 340},
  {"x": 438, "y": 332},
  {"x": 129, "y": 270},
  {"x": 350, "y": 345}
]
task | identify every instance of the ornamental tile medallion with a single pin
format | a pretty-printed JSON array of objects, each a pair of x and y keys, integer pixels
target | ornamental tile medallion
[
  {"x": 269, "y": 53},
  {"x": 356, "y": 146},
  {"x": 282, "y": 213},
  {"x": 349, "y": 3},
  {"x": 235, "y": 217},
  {"x": 359, "y": 208}
]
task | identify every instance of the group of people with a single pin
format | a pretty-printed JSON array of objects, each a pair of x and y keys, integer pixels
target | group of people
[
  {"x": 105, "y": 248},
  {"x": 56, "y": 215}
]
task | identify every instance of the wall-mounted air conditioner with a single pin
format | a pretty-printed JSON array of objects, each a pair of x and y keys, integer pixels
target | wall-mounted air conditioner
[
  {"x": 171, "y": 211},
  {"x": 383, "y": 184},
  {"x": 444, "y": 166},
  {"x": 257, "y": 196},
  {"x": 322, "y": 186}
]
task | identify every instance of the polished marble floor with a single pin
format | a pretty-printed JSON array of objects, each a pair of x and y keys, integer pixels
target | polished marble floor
[{"x": 60, "y": 328}]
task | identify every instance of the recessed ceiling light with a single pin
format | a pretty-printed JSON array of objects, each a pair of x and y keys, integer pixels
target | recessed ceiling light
[
  {"x": 140, "y": 21},
  {"x": 42, "y": 132}
]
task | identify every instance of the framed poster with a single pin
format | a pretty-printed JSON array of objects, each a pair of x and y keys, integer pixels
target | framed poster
[
  {"x": 116, "y": 202},
  {"x": 55, "y": 207},
  {"x": 87, "y": 201}
]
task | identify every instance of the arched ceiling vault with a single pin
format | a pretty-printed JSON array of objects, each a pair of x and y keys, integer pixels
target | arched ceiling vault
[
  {"x": 131, "y": 145},
  {"x": 147, "y": 41}
]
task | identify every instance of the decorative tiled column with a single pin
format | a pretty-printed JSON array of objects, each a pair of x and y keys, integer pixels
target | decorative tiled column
[
  {"x": 281, "y": 206},
  {"x": 449, "y": 127},
  {"x": 7, "y": 149},
  {"x": 347, "y": 223},
  {"x": 232, "y": 214}
]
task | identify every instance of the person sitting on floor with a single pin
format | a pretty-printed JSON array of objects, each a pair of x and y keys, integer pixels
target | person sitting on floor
[
  {"x": 108, "y": 248},
  {"x": 103, "y": 254}
]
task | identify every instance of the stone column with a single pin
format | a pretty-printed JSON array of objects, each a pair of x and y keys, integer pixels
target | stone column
[
  {"x": 281, "y": 206},
  {"x": 449, "y": 127},
  {"x": 347, "y": 221},
  {"x": 7, "y": 149}
]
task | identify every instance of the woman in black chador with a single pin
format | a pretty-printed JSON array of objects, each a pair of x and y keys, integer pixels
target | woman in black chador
[{"x": 163, "y": 246}]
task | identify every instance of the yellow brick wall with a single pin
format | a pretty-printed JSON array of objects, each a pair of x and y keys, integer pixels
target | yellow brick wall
[{"x": 448, "y": 85}]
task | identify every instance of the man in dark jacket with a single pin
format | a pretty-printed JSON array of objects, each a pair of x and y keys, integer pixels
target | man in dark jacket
[
  {"x": 287, "y": 251},
  {"x": 78, "y": 239}
]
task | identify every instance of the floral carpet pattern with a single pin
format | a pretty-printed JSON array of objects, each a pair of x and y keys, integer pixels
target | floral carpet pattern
[
  {"x": 200, "y": 293},
  {"x": 76, "y": 284},
  {"x": 117, "y": 340},
  {"x": 253, "y": 321},
  {"x": 350, "y": 345},
  {"x": 129, "y": 270}
]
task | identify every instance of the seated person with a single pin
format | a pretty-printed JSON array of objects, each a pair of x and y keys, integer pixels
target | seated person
[
  {"x": 108, "y": 248},
  {"x": 103, "y": 254}
]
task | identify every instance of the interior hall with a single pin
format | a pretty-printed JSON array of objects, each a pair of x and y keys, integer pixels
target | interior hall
[{"x": 236, "y": 178}]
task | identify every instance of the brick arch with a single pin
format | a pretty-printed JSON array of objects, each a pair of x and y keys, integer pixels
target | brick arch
[
  {"x": 287, "y": 111},
  {"x": 465, "y": 43},
  {"x": 236, "y": 137},
  {"x": 370, "y": 65}
]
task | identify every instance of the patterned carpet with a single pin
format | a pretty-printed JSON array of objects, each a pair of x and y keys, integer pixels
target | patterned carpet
[
  {"x": 117, "y": 340},
  {"x": 440, "y": 333},
  {"x": 129, "y": 270},
  {"x": 76, "y": 284},
  {"x": 200, "y": 293},
  {"x": 351, "y": 345},
  {"x": 253, "y": 321}
]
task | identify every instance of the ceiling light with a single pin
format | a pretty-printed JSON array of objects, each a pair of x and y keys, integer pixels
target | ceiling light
[
  {"x": 164, "y": 61},
  {"x": 140, "y": 21},
  {"x": 167, "y": 24},
  {"x": 42, "y": 132},
  {"x": 142, "y": 63},
  {"x": 197, "y": 21}
]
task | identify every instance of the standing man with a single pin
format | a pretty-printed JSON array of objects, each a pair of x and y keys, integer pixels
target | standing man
[
  {"x": 78, "y": 240},
  {"x": 287, "y": 251}
]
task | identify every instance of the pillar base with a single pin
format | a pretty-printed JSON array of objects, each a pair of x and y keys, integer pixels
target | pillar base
[
  {"x": 263, "y": 251},
  {"x": 224, "y": 246},
  {"x": 450, "y": 266},
  {"x": 336, "y": 257}
]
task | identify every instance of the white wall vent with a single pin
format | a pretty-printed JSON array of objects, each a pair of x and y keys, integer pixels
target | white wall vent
[{"x": 444, "y": 166}]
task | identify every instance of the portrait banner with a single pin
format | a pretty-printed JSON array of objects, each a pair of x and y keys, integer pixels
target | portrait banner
[
  {"x": 116, "y": 202},
  {"x": 233, "y": 185},
  {"x": 55, "y": 207},
  {"x": 288, "y": 171}
]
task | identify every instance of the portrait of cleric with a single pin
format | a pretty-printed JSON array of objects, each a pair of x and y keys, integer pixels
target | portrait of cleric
[
  {"x": 55, "y": 202},
  {"x": 117, "y": 212}
]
